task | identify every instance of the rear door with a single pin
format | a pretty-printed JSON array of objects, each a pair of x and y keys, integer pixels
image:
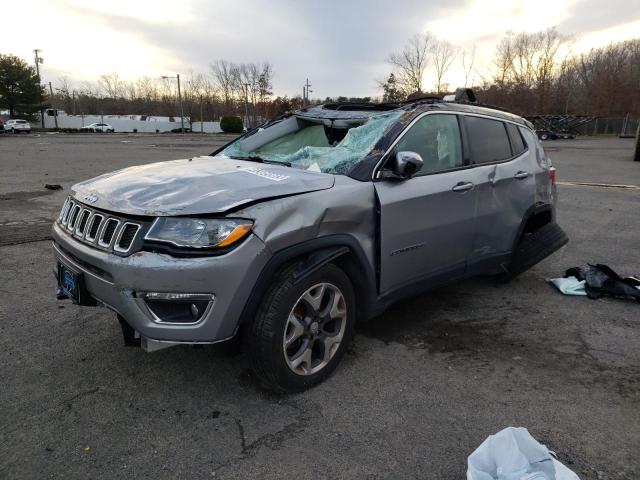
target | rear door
[
  {"x": 427, "y": 221},
  {"x": 506, "y": 188}
]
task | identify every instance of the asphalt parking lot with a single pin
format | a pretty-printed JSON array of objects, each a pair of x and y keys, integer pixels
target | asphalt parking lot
[{"x": 422, "y": 386}]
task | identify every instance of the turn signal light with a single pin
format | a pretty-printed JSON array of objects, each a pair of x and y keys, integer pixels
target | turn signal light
[{"x": 237, "y": 234}]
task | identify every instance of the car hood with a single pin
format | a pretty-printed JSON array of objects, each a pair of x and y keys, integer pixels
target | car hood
[{"x": 194, "y": 186}]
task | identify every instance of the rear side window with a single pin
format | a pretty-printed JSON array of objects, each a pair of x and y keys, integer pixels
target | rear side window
[
  {"x": 488, "y": 140},
  {"x": 517, "y": 144}
]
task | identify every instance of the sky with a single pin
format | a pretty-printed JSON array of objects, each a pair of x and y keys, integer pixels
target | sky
[{"x": 340, "y": 45}]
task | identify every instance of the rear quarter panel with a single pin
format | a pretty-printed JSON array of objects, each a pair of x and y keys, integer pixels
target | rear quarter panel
[{"x": 540, "y": 164}]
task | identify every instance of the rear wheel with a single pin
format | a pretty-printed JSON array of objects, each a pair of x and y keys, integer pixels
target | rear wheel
[{"x": 302, "y": 329}]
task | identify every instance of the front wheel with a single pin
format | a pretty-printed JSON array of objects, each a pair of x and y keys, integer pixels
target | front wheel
[{"x": 302, "y": 329}]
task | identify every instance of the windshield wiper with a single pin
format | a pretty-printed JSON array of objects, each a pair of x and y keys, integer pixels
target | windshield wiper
[{"x": 256, "y": 158}]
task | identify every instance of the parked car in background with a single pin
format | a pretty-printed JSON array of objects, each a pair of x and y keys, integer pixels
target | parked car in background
[
  {"x": 17, "y": 126},
  {"x": 98, "y": 128},
  {"x": 554, "y": 135},
  {"x": 286, "y": 236}
]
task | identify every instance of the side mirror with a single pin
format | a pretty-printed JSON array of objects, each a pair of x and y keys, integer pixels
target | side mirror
[{"x": 405, "y": 164}]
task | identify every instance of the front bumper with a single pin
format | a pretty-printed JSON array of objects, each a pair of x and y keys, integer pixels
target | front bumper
[{"x": 115, "y": 282}]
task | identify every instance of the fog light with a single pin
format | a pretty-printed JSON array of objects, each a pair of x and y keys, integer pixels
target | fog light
[{"x": 177, "y": 307}]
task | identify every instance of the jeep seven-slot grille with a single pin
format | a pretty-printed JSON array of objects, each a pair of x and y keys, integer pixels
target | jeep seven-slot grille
[
  {"x": 109, "y": 230},
  {"x": 98, "y": 229},
  {"x": 127, "y": 235},
  {"x": 96, "y": 221},
  {"x": 84, "y": 216}
]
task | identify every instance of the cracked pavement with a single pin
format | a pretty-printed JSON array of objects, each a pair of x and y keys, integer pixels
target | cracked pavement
[{"x": 421, "y": 387}]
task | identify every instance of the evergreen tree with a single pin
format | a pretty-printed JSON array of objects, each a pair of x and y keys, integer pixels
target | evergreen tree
[
  {"x": 392, "y": 92},
  {"x": 20, "y": 91}
]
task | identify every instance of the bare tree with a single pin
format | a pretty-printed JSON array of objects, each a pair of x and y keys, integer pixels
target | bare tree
[
  {"x": 131, "y": 90},
  {"x": 467, "y": 59},
  {"x": 411, "y": 62},
  {"x": 549, "y": 44},
  {"x": 504, "y": 59},
  {"x": 443, "y": 55},
  {"x": 224, "y": 76},
  {"x": 111, "y": 85}
]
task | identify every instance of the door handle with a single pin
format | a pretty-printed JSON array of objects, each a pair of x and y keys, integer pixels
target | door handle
[
  {"x": 462, "y": 186},
  {"x": 521, "y": 175}
]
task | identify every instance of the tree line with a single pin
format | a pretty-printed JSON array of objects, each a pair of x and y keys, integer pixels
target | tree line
[
  {"x": 532, "y": 74},
  {"x": 244, "y": 89}
]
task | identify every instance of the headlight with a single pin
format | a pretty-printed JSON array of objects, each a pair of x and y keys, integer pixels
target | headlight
[{"x": 199, "y": 232}]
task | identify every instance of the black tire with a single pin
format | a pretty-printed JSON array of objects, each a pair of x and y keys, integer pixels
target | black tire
[
  {"x": 263, "y": 339},
  {"x": 544, "y": 136},
  {"x": 534, "y": 247}
]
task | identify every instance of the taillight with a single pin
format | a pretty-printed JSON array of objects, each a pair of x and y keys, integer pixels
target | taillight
[{"x": 552, "y": 175}]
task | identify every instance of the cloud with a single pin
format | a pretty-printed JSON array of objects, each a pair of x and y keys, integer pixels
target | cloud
[{"x": 341, "y": 46}]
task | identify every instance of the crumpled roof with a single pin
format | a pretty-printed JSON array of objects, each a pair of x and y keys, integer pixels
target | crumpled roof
[{"x": 320, "y": 112}]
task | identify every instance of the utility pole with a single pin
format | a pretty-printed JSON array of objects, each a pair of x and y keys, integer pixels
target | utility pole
[
  {"x": 246, "y": 104},
  {"x": 306, "y": 91},
  {"x": 177, "y": 77},
  {"x": 38, "y": 61},
  {"x": 55, "y": 111},
  {"x": 180, "y": 100},
  {"x": 636, "y": 155}
]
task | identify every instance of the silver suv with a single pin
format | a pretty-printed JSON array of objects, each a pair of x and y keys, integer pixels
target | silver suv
[
  {"x": 17, "y": 126},
  {"x": 285, "y": 237}
]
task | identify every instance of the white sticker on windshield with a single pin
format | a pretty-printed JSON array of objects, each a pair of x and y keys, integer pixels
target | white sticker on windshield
[{"x": 260, "y": 172}]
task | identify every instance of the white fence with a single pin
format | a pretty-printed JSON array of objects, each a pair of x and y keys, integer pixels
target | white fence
[{"x": 124, "y": 124}]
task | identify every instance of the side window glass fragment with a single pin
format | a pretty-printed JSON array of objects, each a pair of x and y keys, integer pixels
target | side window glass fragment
[{"x": 436, "y": 138}]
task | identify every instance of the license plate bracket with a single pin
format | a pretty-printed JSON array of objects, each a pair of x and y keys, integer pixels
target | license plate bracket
[{"x": 71, "y": 282}]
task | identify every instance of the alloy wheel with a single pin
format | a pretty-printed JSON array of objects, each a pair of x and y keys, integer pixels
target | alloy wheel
[{"x": 315, "y": 329}]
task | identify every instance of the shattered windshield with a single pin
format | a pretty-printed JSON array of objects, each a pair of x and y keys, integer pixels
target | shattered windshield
[{"x": 321, "y": 145}]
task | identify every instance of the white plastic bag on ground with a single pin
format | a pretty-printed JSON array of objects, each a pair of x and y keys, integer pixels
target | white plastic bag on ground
[
  {"x": 570, "y": 285},
  {"x": 513, "y": 454}
]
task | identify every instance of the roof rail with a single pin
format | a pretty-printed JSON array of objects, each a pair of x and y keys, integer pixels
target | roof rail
[
  {"x": 359, "y": 106},
  {"x": 462, "y": 96}
]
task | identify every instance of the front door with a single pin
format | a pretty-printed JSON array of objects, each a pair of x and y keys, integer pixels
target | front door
[{"x": 427, "y": 222}]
